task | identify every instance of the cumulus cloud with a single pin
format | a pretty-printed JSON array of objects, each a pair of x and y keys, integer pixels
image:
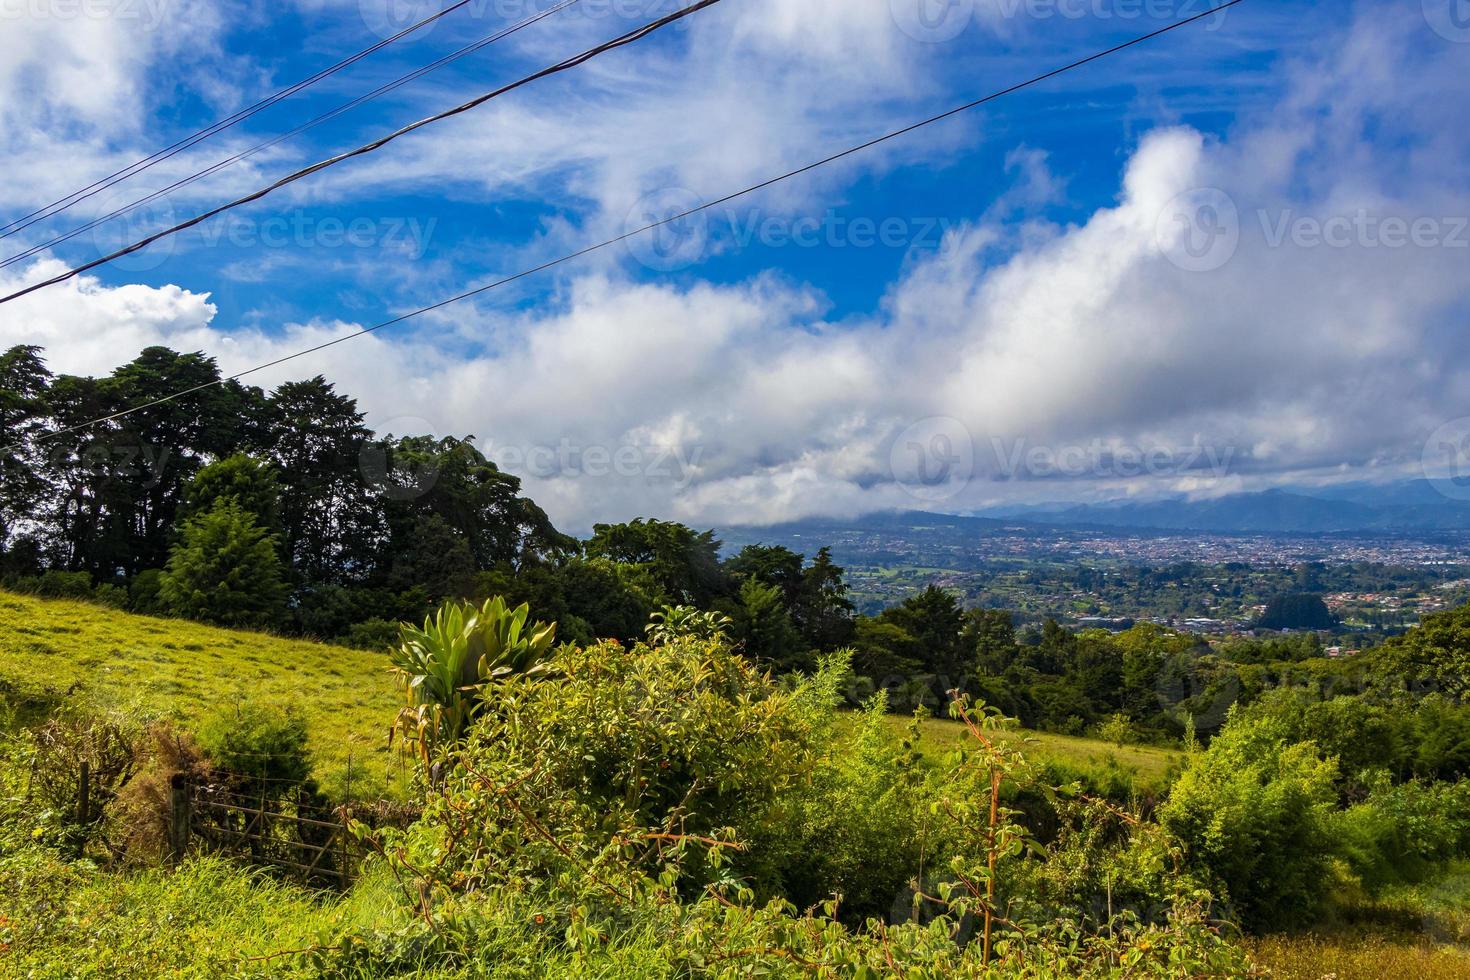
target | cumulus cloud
[{"x": 1194, "y": 334}]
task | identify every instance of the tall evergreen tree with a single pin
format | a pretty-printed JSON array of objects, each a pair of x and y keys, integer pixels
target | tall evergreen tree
[
  {"x": 224, "y": 570},
  {"x": 331, "y": 516},
  {"x": 23, "y": 382}
]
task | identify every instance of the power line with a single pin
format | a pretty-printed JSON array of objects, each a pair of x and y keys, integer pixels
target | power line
[
  {"x": 895, "y": 134},
  {"x": 76, "y": 197},
  {"x": 310, "y": 124},
  {"x": 561, "y": 66}
]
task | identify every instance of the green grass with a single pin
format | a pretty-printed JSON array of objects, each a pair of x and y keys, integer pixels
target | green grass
[
  {"x": 179, "y": 671},
  {"x": 207, "y": 918},
  {"x": 1147, "y": 764}
]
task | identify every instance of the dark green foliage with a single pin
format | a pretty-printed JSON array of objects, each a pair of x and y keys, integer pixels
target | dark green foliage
[
  {"x": 1298, "y": 611},
  {"x": 1254, "y": 813},
  {"x": 684, "y": 563},
  {"x": 1435, "y": 655},
  {"x": 224, "y": 570},
  {"x": 764, "y": 628},
  {"x": 267, "y": 745},
  {"x": 254, "y": 486},
  {"x": 332, "y": 523}
]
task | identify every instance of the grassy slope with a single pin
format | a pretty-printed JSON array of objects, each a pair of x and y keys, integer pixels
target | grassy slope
[
  {"x": 178, "y": 670},
  {"x": 1146, "y": 763}
]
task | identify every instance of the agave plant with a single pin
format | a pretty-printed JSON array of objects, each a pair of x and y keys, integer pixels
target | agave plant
[
  {"x": 672, "y": 623},
  {"x": 445, "y": 666}
]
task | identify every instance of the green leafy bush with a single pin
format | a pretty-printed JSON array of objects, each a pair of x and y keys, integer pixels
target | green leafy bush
[
  {"x": 224, "y": 570},
  {"x": 1254, "y": 813},
  {"x": 262, "y": 743}
]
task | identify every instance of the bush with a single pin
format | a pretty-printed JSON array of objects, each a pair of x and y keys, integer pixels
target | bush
[
  {"x": 261, "y": 743},
  {"x": 1254, "y": 813},
  {"x": 225, "y": 570}
]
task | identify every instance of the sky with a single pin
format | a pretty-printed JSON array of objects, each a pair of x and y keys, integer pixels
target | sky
[{"x": 1232, "y": 258}]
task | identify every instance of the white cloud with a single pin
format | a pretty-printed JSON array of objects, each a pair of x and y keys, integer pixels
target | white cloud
[{"x": 1287, "y": 361}]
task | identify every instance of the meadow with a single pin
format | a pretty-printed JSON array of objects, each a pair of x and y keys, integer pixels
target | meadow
[{"x": 180, "y": 671}]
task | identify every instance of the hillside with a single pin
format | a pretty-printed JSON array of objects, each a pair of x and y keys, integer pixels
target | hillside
[{"x": 178, "y": 670}]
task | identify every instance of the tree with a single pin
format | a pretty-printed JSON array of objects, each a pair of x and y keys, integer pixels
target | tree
[
  {"x": 156, "y": 450},
  {"x": 991, "y": 633},
  {"x": 432, "y": 556},
  {"x": 684, "y": 563},
  {"x": 452, "y": 480},
  {"x": 1437, "y": 650},
  {"x": 1298, "y": 610},
  {"x": 224, "y": 570},
  {"x": 884, "y": 652},
  {"x": 934, "y": 619},
  {"x": 821, "y": 609},
  {"x": 23, "y": 382},
  {"x": 764, "y": 628},
  {"x": 254, "y": 485},
  {"x": 770, "y": 565},
  {"x": 332, "y": 519}
]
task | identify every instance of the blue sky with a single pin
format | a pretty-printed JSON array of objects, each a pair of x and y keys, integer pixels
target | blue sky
[{"x": 1008, "y": 307}]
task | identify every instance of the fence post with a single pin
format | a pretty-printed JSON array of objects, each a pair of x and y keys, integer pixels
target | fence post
[
  {"x": 179, "y": 815},
  {"x": 84, "y": 794}
]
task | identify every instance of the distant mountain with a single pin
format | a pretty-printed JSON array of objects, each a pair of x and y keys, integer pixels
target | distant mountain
[{"x": 1361, "y": 507}]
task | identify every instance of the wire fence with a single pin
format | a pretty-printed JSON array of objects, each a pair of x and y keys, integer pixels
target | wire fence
[{"x": 287, "y": 826}]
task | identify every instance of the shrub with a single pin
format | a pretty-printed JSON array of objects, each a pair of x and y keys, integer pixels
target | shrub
[
  {"x": 58, "y": 750},
  {"x": 1253, "y": 811},
  {"x": 444, "y": 667},
  {"x": 264, "y": 744},
  {"x": 225, "y": 570}
]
